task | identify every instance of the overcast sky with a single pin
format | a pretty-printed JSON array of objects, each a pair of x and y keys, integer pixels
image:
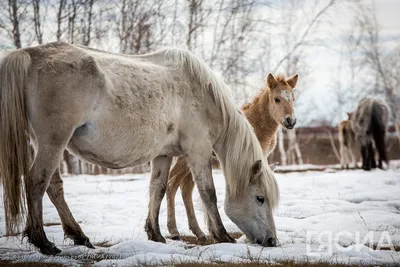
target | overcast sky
[
  {"x": 318, "y": 100},
  {"x": 324, "y": 61}
]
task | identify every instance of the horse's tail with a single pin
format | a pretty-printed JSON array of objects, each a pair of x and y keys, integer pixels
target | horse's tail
[
  {"x": 378, "y": 129},
  {"x": 14, "y": 146},
  {"x": 179, "y": 172}
]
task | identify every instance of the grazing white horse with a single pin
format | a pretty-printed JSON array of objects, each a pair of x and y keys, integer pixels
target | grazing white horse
[{"x": 118, "y": 111}]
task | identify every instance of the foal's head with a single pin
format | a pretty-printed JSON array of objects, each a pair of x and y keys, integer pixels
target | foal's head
[{"x": 281, "y": 99}]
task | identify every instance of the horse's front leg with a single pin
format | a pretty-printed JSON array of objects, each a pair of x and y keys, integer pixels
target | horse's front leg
[
  {"x": 202, "y": 174},
  {"x": 158, "y": 184}
]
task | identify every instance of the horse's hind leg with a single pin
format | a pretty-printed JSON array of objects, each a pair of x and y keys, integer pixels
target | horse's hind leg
[
  {"x": 187, "y": 187},
  {"x": 177, "y": 173},
  {"x": 49, "y": 155},
  {"x": 71, "y": 228},
  {"x": 342, "y": 156},
  {"x": 158, "y": 184},
  {"x": 372, "y": 156},
  {"x": 365, "y": 157},
  {"x": 173, "y": 185},
  {"x": 353, "y": 157}
]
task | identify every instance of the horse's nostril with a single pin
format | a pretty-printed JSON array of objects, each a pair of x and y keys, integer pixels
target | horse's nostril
[
  {"x": 288, "y": 121},
  {"x": 271, "y": 242}
]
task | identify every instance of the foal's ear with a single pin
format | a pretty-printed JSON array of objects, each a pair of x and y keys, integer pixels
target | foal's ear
[
  {"x": 256, "y": 168},
  {"x": 292, "y": 81},
  {"x": 349, "y": 115},
  {"x": 273, "y": 166},
  {"x": 271, "y": 81}
]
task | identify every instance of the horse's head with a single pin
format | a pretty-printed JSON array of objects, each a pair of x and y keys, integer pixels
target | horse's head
[
  {"x": 251, "y": 210},
  {"x": 281, "y": 99}
]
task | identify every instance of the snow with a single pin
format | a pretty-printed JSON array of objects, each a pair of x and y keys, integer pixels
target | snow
[{"x": 349, "y": 210}]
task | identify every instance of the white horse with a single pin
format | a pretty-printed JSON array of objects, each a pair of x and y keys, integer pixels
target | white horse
[{"x": 119, "y": 111}]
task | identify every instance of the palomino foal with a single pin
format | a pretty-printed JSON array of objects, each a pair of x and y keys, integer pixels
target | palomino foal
[
  {"x": 272, "y": 107},
  {"x": 347, "y": 143}
]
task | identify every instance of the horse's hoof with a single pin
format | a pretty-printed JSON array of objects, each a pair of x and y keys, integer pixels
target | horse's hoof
[
  {"x": 89, "y": 245},
  {"x": 152, "y": 234},
  {"x": 49, "y": 249},
  {"x": 157, "y": 238},
  {"x": 83, "y": 241},
  {"x": 225, "y": 238},
  {"x": 176, "y": 237},
  {"x": 202, "y": 240}
]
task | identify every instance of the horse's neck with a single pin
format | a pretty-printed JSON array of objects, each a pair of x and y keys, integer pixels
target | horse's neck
[
  {"x": 237, "y": 150},
  {"x": 265, "y": 127}
]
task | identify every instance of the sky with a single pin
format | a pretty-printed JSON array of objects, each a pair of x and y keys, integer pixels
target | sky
[
  {"x": 317, "y": 91},
  {"x": 325, "y": 61}
]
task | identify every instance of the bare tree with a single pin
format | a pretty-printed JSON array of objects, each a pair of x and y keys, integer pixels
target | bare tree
[
  {"x": 197, "y": 15},
  {"x": 382, "y": 61},
  {"x": 60, "y": 18},
  {"x": 12, "y": 14},
  {"x": 141, "y": 25},
  {"x": 89, "y": 20},
  {"x": 296, "y": 36},
  {"x": 38, "y": 19}
]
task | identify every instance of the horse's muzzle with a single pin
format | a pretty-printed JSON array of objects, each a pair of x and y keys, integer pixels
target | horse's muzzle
[
  {"x": 289, "y": 122},
  {"x": 267, "y": 242}
]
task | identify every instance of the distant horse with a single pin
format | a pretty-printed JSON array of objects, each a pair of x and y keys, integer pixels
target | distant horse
[
  {"x": 369, "y": 122},
  {"x": 347, "y": 142},
  {"x": 270, "y": 109},
  {"x": 117, "y": 111}
]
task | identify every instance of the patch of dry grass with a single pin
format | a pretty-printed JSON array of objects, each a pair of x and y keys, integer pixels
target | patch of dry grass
[
  {"x": 103, "y": 244},
  {"x": 28, "y": 264},
  {"x": 192, "y": 240},
  {"x": 263, "y": 264}
]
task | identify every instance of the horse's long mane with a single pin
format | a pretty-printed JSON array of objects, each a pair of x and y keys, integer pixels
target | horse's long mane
[{"x": 243, "y": 147}]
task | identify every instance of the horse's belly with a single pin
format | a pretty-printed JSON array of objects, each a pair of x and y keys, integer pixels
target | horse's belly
[{"x": 107, "y": 150}]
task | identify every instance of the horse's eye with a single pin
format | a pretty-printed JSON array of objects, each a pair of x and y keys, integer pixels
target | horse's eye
[
  {"x": 277, "y": 100},
  {"x": 260, "y": 199}
]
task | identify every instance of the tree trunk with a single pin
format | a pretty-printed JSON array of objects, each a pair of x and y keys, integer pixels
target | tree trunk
[
  {"x": 397, "y": 128},
  {"x": 293, "y": 151},
  {"x": 37, "y": 21},
  {"x": 281, "y": 146},
  {"x": 15, "y": 21}
]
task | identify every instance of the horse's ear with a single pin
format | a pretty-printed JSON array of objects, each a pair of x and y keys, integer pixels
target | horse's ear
[
  {"x": 292, "y": 81},
  {"x": 271, "y": 81},
  {"x": 349, "y": 114},
  {"x": 273, "y": 166},
  {"x": 256, "y": 168}
]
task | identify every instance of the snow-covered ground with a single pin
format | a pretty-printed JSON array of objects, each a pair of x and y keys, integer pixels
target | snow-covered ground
[{"x": 323, "y": 216}]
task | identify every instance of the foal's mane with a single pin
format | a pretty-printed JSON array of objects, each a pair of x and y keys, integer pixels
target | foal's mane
[{"x": 243, "y": 147}]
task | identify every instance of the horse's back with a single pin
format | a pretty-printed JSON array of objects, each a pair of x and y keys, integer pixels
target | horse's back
[
  {"x": 120, "y": 110},
  {"x": 368, "y": 110}
]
